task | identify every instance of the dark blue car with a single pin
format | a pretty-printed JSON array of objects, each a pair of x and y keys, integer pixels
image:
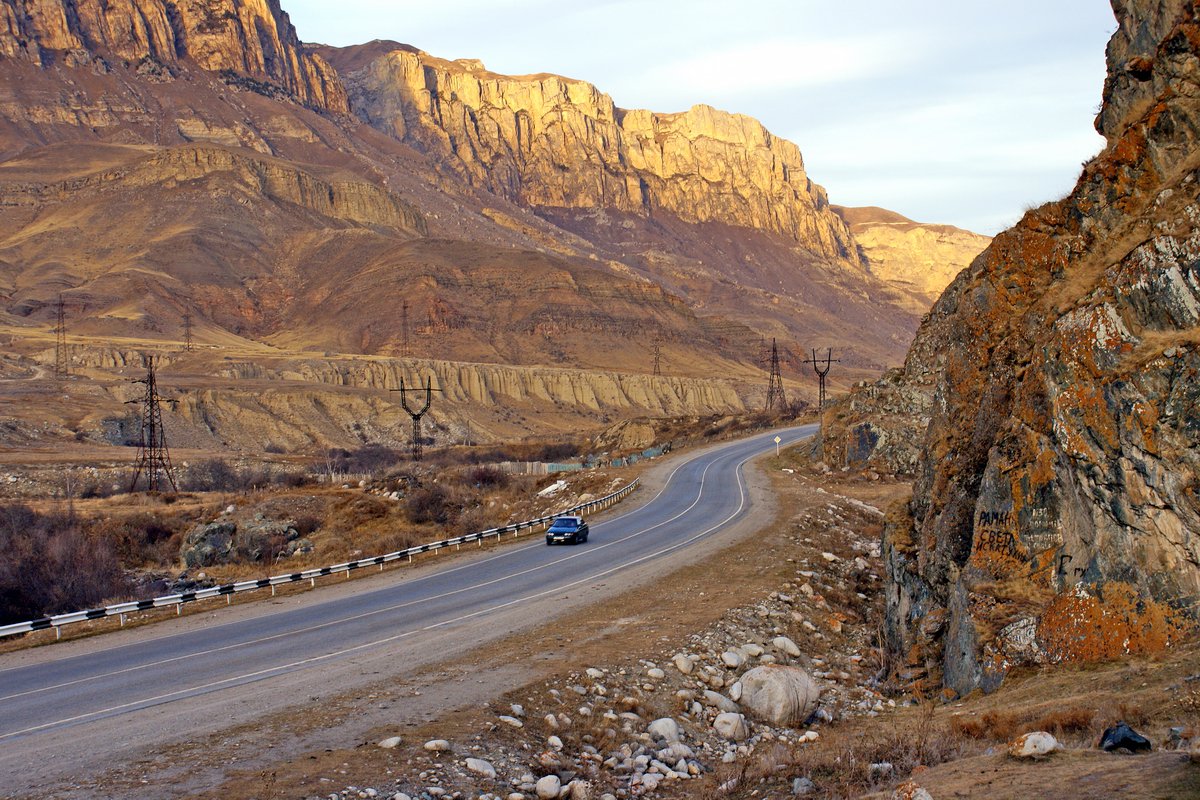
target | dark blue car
[{"x": 567, "y": 529}]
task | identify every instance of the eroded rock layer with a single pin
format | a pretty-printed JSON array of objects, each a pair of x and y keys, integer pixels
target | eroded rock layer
[
  {"x": 1056, "y": 510},
  {"x": 251, "y": 39},
  {"x": 549, "y": 141}
]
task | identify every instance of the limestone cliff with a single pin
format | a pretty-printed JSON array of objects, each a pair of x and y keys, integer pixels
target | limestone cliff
[
  {"x": 549, "y": 141},
  {"x": 913, "y": 255},
  {"x": 247, "y": 39},
  {"x": 1056, "y": 510}
]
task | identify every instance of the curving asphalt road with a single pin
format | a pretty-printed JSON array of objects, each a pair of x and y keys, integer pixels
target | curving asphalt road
[{"x": 59, "y": 695}]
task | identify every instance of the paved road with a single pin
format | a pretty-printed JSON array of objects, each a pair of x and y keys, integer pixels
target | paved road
[{"x": 89, "y": 696}]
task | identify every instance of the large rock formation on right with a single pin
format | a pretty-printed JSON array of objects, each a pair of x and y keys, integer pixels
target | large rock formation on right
[{"x": 1056, "y": 505}]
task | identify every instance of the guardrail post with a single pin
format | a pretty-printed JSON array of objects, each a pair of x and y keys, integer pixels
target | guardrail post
[
  {"x": 272, "y": 590},
  {"x": 312, "y": 582},
  {"x": 179, "y": 609},
  {"x": 122, "y": 620},
  {"x": 57, "y": 633}
]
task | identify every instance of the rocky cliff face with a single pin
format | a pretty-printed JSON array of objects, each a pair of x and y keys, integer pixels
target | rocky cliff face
[
  {"x": 913, "y": 255},
  {"x": 548, "y": 141},
  {"x": 248, "y": 39},
  {"x": 1056, "y": 511}
]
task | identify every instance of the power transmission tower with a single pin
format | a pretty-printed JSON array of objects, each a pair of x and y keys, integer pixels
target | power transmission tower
[
  {"x": 775, "y": 396},
  {"x": 417, "y": 416},
  {"x": 187, "y": 331},
  {"x": 62, "y": 366},
  {"x": 657, "y": 358},
  {"x": 404, "y": 329},
  {"x": 828, "y": 361},
  {"x": 154, "y": 459}
]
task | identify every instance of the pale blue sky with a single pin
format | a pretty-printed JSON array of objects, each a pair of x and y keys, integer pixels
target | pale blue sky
[{"x": 953, "y": 111}]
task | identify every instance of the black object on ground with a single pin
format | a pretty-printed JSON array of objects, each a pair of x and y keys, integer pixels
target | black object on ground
[{"x": 1123, "y": 737}]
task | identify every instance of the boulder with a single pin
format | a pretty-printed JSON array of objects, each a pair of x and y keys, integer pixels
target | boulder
[
  {"x": 665, "y": 729},
  {"x": 683, "y": 663},
  {"x": 390, "y": 743},
  {"x": 779, "y": 694},
  {"x": 785, "y": 645},
  {"x": 208, "y": 544},
  {"x": 547, "y": 788},
  {"x": 1037, "y": 744},
  {"x": 481, "y": 767},
  {"x": 720, "y": 701},
  {"x": 437, "y": 745},
  {"x": 732, "y": 727}
]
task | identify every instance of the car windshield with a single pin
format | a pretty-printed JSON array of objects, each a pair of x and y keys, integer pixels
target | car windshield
[{"x": 565, "y": 523}]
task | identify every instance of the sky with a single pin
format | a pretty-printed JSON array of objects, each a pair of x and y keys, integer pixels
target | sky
[{"x": 964, "y": 112}]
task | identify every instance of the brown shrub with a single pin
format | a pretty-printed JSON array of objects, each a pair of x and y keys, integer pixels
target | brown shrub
[{"x": 48, "y": 565}]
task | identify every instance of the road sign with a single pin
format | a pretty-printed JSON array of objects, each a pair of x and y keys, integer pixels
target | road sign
[{"x": 777, "y": 441}]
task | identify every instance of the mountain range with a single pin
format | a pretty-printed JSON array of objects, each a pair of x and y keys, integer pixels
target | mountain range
[{"x": 194, "y": 159}]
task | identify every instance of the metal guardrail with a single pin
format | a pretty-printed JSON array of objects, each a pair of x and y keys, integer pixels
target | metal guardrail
[{"x": 120, "y": 609}]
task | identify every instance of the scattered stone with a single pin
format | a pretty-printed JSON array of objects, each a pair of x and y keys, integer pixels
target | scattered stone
[
  {"x": 512, "y": 721},
  {"x": 481, "y": 767},
  {"x": 390, "y": 743},
  {"x": 732, "y": 727},
  {"x": 594, "y": 673},
  {"x": 1121, "y": 737},
  {"x": 656, "y": 673},
  {"x": 437, "y": 745},
  {"x": 785, "y": 645},
  {"x": 665, "y": 729},
  {"x": 802, "y": 787},
  {"x": 732, "y": 659},
  {"x": 548, "y": 787},
  {"x": 720, "y": 701},
  {"x": 683, "y": 663},
  {"x": 909, "y": 790},
  {"x": 1037, "y": 744}
]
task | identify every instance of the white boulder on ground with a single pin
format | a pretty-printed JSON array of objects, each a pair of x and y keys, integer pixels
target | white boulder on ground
[
  {"x": 437, "y": 745},
  {"x": 732, "y": 727},
  {"x": 390, "y": 742},
  {"x": 720, "y": 701},
  {"x": 548, "y": 787},
  {"x": 665, "y": 729},
  {"x": 481, "y": 767},
  {"x": 733, "y": 659},
  {"x": 683, "y": 663},
  {"x": 779, "y": 694},
  {"x": 1037, "y": 744},
  {"x": 785, "y": 645}
]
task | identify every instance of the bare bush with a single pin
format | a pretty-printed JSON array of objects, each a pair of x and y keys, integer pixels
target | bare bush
[{"x": 48, "y": 565}]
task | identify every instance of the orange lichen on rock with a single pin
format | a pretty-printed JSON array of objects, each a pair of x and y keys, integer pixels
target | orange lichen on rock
[{"x": 1113, "y": 623}]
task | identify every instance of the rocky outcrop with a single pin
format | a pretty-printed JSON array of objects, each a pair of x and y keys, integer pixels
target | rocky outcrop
[
  {"x": 549, "y": 141},
  {"x": 1056, "y": 511},
  {"x": 912, "y": 255},
  {"x": 249, "y": 40}
]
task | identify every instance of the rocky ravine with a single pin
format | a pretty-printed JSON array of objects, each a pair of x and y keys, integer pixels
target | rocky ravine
[{"x": 1056, "y": 511}]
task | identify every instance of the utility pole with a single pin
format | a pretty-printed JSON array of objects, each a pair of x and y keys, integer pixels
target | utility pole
[
  {"x": 658, "y": 358},
  {"x": 828, "y": 361},
  {"x": 62, "y": 367},
  {"x": 187, "y": 331},
  {"x": 775, "y": 396},
  {"x": 417, "y": 415},
  {"x": 404, "y": 330},
  {"x": 154, "y": 459}
]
